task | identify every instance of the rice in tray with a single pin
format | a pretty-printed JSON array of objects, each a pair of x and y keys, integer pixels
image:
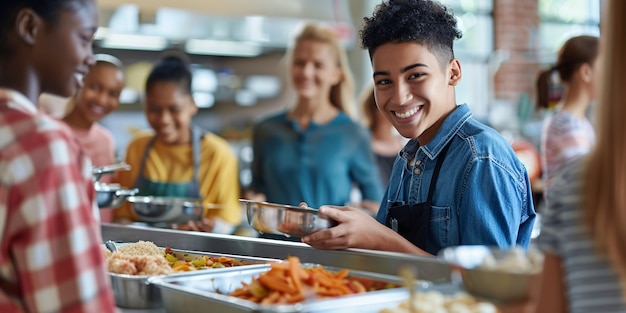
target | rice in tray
[
  {"x": 140, "y": 258},
  {"x": 141, "y": 248}
]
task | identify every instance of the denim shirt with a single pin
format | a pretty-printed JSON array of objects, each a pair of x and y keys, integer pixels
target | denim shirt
[{"x": 483, "y": 192}]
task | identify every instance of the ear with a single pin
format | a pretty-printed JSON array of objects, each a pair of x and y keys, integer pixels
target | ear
[
  {"x": 194, "y": 106},
  {"x": 454, "y": 70},
  {"x": 27, "y": 24},
  {"x": 586, "y": 72}
]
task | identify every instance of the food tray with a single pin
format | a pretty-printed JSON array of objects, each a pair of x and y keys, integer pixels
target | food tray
[
  {"x": 197, "y": 292},
  {"x": 133, "y": 292}
]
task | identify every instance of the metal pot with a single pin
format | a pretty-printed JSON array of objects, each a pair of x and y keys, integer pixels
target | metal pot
[
  {"x": 152, "y": 209},
  {"x": 112, "y": 195},
  {"x": 98, "y": 171}
]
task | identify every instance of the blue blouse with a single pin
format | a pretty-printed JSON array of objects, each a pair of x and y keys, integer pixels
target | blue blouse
[
  {"x": 318, "y": 165},
  {"x": 483, "y": 194}
]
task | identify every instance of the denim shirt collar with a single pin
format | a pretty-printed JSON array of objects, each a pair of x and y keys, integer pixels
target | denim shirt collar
[{"x": 453, "y": 122}]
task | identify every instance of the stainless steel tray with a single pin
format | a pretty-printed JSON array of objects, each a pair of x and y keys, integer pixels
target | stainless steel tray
[
  {"x": 197, "y": 292},
  {"x": 134, "y": 292}
]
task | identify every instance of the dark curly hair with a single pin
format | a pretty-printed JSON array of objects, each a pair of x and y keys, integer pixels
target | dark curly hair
[
  {"x": 49, "y": 10},
  {"x": 174, "y": 68},
  {"x": 425, "y": 22}
]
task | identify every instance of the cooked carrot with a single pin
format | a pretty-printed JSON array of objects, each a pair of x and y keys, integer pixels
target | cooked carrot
[
  {"x": 294, "y": 265},
  {"x": 271, "y": 298},
  {"x": 342, "y": 274},
  {"x": 288, "y": 282},
  {"x": 275, "y": 283}
]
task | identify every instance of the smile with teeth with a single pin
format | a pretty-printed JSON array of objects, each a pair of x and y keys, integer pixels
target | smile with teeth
[{"x": 407, "y": 114}]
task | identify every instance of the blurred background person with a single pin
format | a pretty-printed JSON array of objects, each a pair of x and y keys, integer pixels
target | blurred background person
[
  {"x": 179, "y": 159},
  {"x": 386, "y": 142},
  {"x": 567, "y": 133},
  {"x": 583, "y": 235},
  {"x": 314, "y": 152},
  {"x": 99, "y": 96}
]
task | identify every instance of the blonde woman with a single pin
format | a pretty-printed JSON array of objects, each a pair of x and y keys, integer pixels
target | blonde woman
[
  {"x": 314, "y": 152},
  {"x": 583, "y": 233}
]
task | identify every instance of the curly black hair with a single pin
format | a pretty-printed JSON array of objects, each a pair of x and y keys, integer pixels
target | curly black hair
[
  {"x": 173, "y": 68},
  {"x": 425, "y": 22},
  {"x": 49, "y": 10}
]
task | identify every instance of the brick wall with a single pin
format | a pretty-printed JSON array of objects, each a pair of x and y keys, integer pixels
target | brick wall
[{"x": 516, "y": 25}]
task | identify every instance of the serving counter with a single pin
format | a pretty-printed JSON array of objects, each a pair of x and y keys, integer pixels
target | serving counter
[{"x": 428, "y": 268}]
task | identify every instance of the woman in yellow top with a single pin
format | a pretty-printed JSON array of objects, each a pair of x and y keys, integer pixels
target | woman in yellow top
[{"x": 179, "y": 159}]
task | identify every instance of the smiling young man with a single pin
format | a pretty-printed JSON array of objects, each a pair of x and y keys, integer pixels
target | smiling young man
[{"x": 457, "y": 181}]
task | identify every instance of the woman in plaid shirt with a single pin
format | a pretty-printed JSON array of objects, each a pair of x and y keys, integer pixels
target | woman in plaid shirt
[{"x": 50, "y": 255}]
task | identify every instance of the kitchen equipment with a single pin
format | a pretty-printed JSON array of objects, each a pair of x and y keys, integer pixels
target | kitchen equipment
[
  {"x": 112, "y": 195},
  {"x": 494, "y": 274},
  {"x": 200, "y": 290},
  {"x": 271, "y": 218},
  {"x": 98, "y": 171},
  {"x": 111, "y": 245},
  {"x": 152, "y": 209},
  {"x": 134, "y": 292}
]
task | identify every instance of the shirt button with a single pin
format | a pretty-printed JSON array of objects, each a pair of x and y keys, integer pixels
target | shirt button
[
  {"x": 417, "y": 171},
  {"x": 418, "y": 162}
]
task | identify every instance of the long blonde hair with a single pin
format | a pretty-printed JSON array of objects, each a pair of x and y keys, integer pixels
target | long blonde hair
[
  {"x": 368, "y": 108},
  {"x": 341, "y": 94},
  {"x": 604, "y": 197}
]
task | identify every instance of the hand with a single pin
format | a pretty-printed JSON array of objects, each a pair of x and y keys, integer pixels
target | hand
[
  {"x": 368, "y": 206},
  {"x": 255, "y": 196},
  {"x": 205, "y": 225},
  {"x": 357, "y": 229}
]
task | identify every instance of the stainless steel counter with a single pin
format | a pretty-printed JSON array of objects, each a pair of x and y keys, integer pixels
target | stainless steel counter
[{"x": 428, "y": 268}]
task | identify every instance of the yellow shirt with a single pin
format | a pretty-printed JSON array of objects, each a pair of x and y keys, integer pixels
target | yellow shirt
[{"x": 217, "y": 175}]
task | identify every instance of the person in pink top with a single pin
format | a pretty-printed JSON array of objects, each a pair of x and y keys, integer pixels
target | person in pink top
[
  {"x": 51, "y": 258},
  {"x": 99, "y": 96},
  {"x": 568, "y": 134}
]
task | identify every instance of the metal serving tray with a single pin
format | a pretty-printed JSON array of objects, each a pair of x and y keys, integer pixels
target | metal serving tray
[
  {"x": 197, "y": 292},
  {"x": 134, "y": 292}
]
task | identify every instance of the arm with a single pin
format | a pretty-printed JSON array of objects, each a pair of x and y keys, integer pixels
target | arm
[
  {"x": 54, "y": 237},
  {"x": 134, "y": 153},
  {"x": 219, "y": 184},
  {"x": 255, "y": 191},
  {"x": 363, "y": 168},
  {"x": 495, "y": 205},
  {"x": 357, "y": 229},
  {"x": 552, "y": 295}
]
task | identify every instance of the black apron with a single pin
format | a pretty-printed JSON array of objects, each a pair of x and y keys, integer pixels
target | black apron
[{"x": 412, "y": 221}]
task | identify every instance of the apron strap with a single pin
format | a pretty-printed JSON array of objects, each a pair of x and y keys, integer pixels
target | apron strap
[
  {"x": 196, "y": 139},
  {"x": 433, "y": 180},
  {"x": 142, "y": 166}
]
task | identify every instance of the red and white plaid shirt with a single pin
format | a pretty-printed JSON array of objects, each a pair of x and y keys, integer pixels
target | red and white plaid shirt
[{"x": 50, "y": 254}]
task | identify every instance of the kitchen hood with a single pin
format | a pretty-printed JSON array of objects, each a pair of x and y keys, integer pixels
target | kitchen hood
[{"x": 242, "y": 28}]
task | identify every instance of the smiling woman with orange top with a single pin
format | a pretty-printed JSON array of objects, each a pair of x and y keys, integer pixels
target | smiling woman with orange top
[{"x": 99, "y": 96}]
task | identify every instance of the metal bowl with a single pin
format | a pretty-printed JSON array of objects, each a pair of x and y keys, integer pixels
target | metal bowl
[
  {"x": 168, "y": 209},
  {"x": 110, "y": 196},
  {"x": 271, "y": 218},
  {"x": 497, "y": 275}
]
